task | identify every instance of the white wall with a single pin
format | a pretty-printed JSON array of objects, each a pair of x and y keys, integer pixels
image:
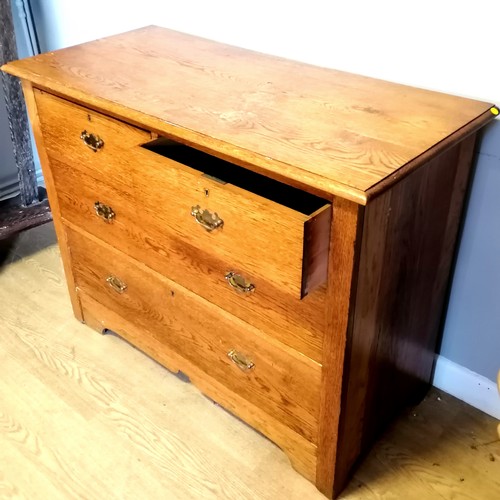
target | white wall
[{"x": 447, "y": 45}]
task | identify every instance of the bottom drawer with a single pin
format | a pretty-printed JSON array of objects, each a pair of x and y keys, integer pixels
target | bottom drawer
[{"x": 276, "y": 379}]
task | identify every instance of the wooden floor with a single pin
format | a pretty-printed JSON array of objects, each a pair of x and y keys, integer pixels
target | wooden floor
[{"x": 88, "y": 416}]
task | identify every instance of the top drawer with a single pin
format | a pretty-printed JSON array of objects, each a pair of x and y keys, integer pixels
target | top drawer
[
  {"x": 261, "y": 229},
  {"x": 70, "y": 133}
]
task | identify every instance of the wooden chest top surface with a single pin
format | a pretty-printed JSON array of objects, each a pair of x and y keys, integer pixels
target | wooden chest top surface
[{"x": 336, "y": 132}]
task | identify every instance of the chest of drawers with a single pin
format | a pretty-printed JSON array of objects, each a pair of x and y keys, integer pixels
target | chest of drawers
[{"x": 281, "y": 234}]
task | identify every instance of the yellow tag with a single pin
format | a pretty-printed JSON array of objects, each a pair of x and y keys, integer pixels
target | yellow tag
[{"x": 495, "y": 111}]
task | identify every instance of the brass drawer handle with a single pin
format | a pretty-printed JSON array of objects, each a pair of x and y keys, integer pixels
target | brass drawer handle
[
  {"x": 210, "y": 221},
  {"x": 239, "y": 283},
  {"x": 94, "y": 142},
  {"x": 104, "y": 211},
  {"x": 240, "y": 360},
  {"x": 116, "y": 284}
]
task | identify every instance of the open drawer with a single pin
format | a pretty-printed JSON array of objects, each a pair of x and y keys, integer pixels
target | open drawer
[{"x": 258, "y": 226}]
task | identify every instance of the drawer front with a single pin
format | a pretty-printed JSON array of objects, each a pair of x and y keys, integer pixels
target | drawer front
[
  {"x": 63, "y": 124},
  {"x": 264, "y": 238},
  {"x": 302, "y": 453},
  {"x": 297, "y": 323},
  {"x": 278, "y": 380},
  {"x": 251, "y": 233}
]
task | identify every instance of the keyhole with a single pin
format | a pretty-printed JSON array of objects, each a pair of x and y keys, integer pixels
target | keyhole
[{"x": 206, "y": 192}]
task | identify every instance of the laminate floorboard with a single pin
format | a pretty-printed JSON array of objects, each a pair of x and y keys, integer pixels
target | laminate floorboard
[{"x": 90, "y": 417}]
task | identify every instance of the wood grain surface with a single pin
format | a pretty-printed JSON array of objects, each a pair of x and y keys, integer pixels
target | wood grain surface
[
  {"x": 321, "y": 129},
  {"x": 51, "y": 193},
  {"x": 283, "y": 383},
  {"x": 63, "y": 122},
  {"x": 331, "y": 369},
  {"x": 75, "y": 423},
  {"x": 342, "y": 272},
  {"x": 145, "y": 235},
  {"x": 301, "y": 452},
  {"x": 259, "y": 237},
  {"x": 408, "y": 240},
  {"x": 147, "y": 238}
]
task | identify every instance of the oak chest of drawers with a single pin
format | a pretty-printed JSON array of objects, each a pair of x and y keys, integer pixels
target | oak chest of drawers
[{"x": 280, "y": 233}]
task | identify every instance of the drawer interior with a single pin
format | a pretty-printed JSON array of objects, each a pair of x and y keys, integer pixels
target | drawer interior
[{"x": 226, "y": 172}]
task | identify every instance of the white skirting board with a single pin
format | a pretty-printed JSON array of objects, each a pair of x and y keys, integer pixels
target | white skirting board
[{"x": 468, "y": 386}]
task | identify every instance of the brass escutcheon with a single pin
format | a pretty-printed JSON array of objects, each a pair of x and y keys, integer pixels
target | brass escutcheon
[
  {"x": 240, "y": 360},
  {"x": 103, "y": 211},
  {"x": 94, "y": 142},
  {"x": 206, "y": 219},
  {"x": 116, "y": 284}
]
